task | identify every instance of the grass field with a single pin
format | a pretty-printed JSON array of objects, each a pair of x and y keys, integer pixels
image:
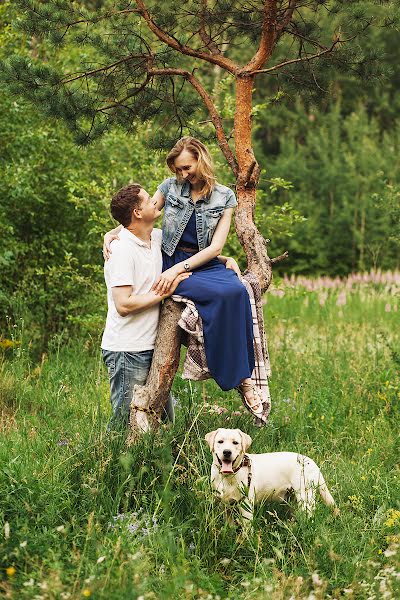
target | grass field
[{"x": 82, "y": 516}]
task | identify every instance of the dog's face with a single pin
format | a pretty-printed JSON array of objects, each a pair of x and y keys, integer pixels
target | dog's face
[{"x": 228, "y": 445}]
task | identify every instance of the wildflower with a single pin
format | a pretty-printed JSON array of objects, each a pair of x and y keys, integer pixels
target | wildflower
[
  {"x": 393, "y": 517},
  {"x": 380, "y": 551},
  {"x": 11, "y": 571},
  {"x": 363, "y": 478},
  {"x": 369, "y": 451},
  {"x": 316, "y": 579},
  {"x": 322, "y": 417},
  {"x": 86, "y": 593},
  {"x": 23, "y": 544},
  {"x": 60, "y": 528},
  {"x": 341, "y": 299},
  {"x": 63, "y": 442},
  {"x": 101, "y": 559}
]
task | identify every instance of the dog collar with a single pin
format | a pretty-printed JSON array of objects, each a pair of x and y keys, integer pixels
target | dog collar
[{"x": 245, "y": 462}]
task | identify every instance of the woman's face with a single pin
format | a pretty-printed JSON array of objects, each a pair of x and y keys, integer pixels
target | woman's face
[{"x": 186, "y": 167}]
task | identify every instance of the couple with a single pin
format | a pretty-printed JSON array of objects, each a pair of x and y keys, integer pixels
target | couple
[{"x": 146, "y": 265}]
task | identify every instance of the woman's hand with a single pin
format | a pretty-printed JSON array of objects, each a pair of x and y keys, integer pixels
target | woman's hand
[
  {"x": 232, "y": 264},
  {"x": 176, "y": 282},
  {"x": 164, "y": 282},
  {"x": 108, "y": 238}
]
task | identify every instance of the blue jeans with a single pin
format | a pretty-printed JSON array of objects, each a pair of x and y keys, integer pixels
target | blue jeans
[{"x": 125, "y": 370}]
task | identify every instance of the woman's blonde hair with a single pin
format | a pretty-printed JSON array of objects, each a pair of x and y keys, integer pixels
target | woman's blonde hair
[{"x": 205, "y": 167}]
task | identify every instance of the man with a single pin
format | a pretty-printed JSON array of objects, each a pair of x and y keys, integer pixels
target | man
[{"x": 134, "y": 265}]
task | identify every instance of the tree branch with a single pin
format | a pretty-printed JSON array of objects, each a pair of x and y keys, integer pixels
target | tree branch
[
  {"x": 279, "y": 258},
  {"x": 135, "y": 93},
  {"x": 287, "y": 16},
  {"x": 216, "y": 119},
  {"x": 206, "y": 39},
  {"x": 297, "y": 60},
  {"x": 106, "y": 68},
  {"x": 216, "y": 59},
  {"x": 268, "y": 38}
]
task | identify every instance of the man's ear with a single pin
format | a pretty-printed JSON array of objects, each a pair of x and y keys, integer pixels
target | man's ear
[
  {"x": 136, "y": 213},
  {"x": 210, "y": 438},
  {"x": 246, "y": 440}
]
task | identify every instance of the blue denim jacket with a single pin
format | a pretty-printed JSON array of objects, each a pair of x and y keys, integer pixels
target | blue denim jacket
[{"x": 179, "y": 207}]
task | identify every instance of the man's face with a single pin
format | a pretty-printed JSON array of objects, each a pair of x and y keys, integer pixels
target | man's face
[{"x": 148, "y": 207}]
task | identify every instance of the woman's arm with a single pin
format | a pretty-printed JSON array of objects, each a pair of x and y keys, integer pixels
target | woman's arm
[
  {"x": 202, "y": 257},
  {"x": 160, "y": 199}
]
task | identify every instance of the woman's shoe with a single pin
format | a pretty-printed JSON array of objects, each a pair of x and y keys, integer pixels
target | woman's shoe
[{"x": 257, "y": 408}]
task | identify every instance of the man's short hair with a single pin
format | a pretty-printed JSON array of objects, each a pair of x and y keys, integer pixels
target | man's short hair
[{"x": 124, "y": 202}]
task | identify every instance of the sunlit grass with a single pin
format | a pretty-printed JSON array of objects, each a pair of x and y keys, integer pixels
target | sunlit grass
[{"x": 83, "y": 516}]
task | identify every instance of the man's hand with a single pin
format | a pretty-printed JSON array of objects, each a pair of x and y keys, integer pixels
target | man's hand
[
  {"x": 108, "y": 238},
  {"x": 163, "y": 284},
  {"x": 232, "y": 264}
]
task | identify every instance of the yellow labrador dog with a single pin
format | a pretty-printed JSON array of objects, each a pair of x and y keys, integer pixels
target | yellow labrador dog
[{"x": 238, "y": 476}]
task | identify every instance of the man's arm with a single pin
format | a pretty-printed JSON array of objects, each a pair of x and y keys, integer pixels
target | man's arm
[{"x": 127, "y": 302}]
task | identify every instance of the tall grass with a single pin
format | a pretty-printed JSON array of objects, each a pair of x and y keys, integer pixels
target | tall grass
[{"x": 83, "y": 516}]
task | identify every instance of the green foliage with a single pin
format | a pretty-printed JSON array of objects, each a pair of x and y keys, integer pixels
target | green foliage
[
  {"x": 54, "y": 200},
  {"x": 345, "y": 166},
  {"x": 107, "y": 84}
]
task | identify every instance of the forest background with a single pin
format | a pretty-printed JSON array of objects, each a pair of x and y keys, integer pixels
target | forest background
[{"x": 329, "y": 190}]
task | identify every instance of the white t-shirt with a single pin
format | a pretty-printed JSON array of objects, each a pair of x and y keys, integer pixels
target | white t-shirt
[{"x": 133, "y": 263}]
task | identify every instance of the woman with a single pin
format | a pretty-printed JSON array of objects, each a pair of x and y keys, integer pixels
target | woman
[{"x": 197, "y": 218}]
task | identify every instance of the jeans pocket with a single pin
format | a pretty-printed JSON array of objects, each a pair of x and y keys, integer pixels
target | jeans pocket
[{"x": 109, "y": 361}]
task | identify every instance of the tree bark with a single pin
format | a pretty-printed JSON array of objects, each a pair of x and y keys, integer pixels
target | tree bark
[
  {"x": 250, "y": 238},
  {"x": 149, "y": 400}
]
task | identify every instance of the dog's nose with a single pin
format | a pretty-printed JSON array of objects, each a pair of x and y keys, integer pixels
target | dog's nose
[{"x": 227, "y": 453}]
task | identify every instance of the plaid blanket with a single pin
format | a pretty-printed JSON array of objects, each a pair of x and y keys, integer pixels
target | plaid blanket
[{"x": 195, "y": 364}]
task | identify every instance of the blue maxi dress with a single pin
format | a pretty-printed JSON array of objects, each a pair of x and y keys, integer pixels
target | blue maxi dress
[{"x": 224, "y": 306}]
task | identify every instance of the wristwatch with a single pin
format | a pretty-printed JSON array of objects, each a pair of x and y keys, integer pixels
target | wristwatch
[{"x": 186, "y": 266}]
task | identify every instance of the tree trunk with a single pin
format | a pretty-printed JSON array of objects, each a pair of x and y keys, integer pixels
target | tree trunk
[
  {"x": 250, "y": 238},
  {"x": 149, "y": 400}
]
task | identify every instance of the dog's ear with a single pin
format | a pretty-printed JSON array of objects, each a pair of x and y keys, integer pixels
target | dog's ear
[
  {"x": 246, "y": 440},
  {"x": 210, "y": 438}
]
